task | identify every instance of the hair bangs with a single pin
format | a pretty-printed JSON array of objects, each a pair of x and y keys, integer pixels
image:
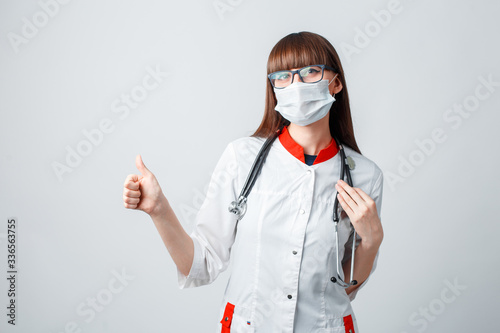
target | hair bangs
[{"x": 297, "y": 50}]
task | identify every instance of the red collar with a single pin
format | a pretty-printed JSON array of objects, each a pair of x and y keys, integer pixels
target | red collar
[{"x": 296, "y": 150}]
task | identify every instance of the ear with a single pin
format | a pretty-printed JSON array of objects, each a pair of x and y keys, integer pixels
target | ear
[{"x": 335, "y": 86}]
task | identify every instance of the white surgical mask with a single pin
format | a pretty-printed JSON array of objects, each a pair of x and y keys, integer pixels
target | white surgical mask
[{"x": 304, "y": 103}]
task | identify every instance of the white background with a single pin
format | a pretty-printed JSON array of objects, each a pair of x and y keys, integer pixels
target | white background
[{"x": 440, "y": 219}]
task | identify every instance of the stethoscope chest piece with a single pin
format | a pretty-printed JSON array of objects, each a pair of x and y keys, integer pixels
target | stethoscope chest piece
[
  {"x": 351, "y": 163},
  {"x": 239, "y": 208}
]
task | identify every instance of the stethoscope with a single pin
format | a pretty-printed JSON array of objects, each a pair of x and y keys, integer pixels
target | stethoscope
[{"x": 239, "y": 207}]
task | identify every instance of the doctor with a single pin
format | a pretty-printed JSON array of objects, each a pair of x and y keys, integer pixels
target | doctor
[{"x": 283, "y": 250}]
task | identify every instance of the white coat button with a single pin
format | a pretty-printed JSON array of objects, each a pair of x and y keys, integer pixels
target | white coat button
[
  {"x": 294, "y": 252},
  {"x": 309, "y": 171},
  {"x": 302, "y": 211}
]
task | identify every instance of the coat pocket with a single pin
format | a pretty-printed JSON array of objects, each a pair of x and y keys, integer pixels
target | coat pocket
[
  {"x": 236, "y": 319},
  {"x": 344, "y": 324}
]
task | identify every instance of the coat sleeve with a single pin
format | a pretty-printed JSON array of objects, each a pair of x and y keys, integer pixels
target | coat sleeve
[
  {"x": 376, "y": 195},
  {"x": 214, "y": 231}
]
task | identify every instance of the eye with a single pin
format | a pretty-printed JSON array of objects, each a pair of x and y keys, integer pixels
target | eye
[
  {"x": 312, "y": 70},
  {"x": 282, "y": 76}
]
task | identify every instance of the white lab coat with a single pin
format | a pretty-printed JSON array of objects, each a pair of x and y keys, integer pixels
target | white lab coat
[{"x": 284, "y": 247}]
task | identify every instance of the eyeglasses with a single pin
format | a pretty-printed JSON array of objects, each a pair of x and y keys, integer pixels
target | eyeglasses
[{"x": 308, "y": 74}]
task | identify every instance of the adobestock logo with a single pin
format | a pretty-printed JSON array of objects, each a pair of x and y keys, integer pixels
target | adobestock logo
[
  {"x": 454, "y": 117},
  {"x": 89, "y": 309},
  {"x": 122, "y": 107},
  {"x": 222, "y": 6},
  {"x": 218, "y": 181},
  {"x": 427, "y": 314},
  {"x": 373, "y": 28},
  {"x": 30, "y": 28}
]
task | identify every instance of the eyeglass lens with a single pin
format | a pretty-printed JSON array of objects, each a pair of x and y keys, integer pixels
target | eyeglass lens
[{"x": 309, "y": 74}]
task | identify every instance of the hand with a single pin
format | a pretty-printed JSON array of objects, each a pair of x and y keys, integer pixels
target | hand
[
  {"x": 362, "y": 212},
  {"x": 143, "y": 192}
]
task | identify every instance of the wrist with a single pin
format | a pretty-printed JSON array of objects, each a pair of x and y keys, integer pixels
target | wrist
[
  {"x": 160, "y": 209},
  {"x": 372, "y": 244}
]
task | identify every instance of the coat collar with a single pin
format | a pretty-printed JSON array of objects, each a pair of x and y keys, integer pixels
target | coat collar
[{"x": 296, "y": 150}]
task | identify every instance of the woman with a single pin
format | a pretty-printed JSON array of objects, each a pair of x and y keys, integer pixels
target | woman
[{"x": 284, "y": 253}]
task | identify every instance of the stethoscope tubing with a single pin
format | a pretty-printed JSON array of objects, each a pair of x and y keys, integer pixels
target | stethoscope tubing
[
  {"x": 239, "y": 207},
  {"x": 344, "y": 170}
]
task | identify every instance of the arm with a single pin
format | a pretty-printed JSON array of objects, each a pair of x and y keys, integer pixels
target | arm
[
  {"x": 178, "y": 243},
  {"x": 143, "y": 192},
  {"x": 364, "y": 214},
  {"x": 203, "y": 254},
  {"x": 364, "y": 257}
]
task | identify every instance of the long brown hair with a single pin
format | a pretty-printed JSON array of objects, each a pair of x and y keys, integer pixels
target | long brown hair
[{"x": 298, "y": 50}]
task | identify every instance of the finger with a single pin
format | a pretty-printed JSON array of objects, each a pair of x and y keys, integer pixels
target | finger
[
  {"x": 133, "y": 178},
  {"x": 351, "y": 191},
  {"x": 132, "y": 201},
  {"x": 132, "y": 182},
  {"x": 129, "y": 206},
  {"x": 347, "y": 198},
  {"x": 363, "y": 195},
  {"x": 140, "y": 166},
  {"x": 131, "y": 193},
  {"x": 345, "y": 205},
  {"x": 348, "y": 202},
  {"x": 362, "y": 199}
]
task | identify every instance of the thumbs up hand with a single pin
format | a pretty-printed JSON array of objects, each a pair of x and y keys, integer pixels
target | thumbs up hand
[{"x": 143, "y": 191}]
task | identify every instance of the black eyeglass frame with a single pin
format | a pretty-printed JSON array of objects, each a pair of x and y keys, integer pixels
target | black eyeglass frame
[{"x": 323, "y": 67}]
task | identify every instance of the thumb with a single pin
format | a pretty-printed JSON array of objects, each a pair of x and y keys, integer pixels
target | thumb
[{"x": 140, "y": 166}]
